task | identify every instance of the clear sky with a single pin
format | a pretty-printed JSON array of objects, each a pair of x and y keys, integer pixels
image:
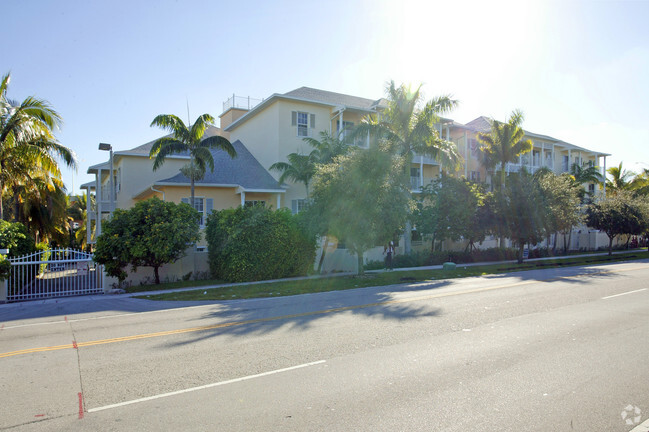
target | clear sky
[{"x": 579, "y": 70}]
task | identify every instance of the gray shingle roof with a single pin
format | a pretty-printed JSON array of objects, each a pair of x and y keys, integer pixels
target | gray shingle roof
[
  {"x": 243, "y": 170},
  {"x": 335, "y": 98}
]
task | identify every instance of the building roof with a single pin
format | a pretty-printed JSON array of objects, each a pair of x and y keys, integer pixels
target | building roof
[
  {"x": 332, "y": 98},
  {"x": 483, "y": 124},
  {"x": 316, "y": 96},
  {"x": 243, "y": 170}
]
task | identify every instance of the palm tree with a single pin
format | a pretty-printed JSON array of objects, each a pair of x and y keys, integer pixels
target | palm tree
[
  {"x": 299, "y": 168},
  {"x": 409, "y": 129},
  {"x": 586, "y": 173},
  {"x": 621, "y": 178},
  {"x": 188, "y": 140},
  {"x": 327, "y": 148},
  {"x": 27, "y": 134},
  {"x": 504, "y": 143}
]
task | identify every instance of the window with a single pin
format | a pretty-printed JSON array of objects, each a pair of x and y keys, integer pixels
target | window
[
  {"x": 474, "y": 147},
  {"x": 475, "y": 176},
  {"x": 566, "y": 162},
  {"x": 252, "y": 203},
  {"x": 591, "y": 189},
  {"x": 303, "y": 122},
  {"x": 204, "y": 206},
  {"x": 297, "y": 205},
  {"x": 347, "y": 129}
]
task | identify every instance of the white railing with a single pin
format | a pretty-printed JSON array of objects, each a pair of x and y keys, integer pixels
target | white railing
[
  {"x": 241, "y": 102},
  {"x": 416, "y": 183},
  {"x": 52, "y": 273}
]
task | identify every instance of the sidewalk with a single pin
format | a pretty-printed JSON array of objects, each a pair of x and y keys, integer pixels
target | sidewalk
[{"x": 329, "y": 275}]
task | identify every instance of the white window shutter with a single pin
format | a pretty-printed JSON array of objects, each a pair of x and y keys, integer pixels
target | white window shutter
[
  {"x": 294, "y": 118},
  {"x": 312, "y": 121}
]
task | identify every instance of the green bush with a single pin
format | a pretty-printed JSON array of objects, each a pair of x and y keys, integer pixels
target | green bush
[
  {"x": 5, "y": 268},
  {"x": 426, "y": 258},
  {"x": 16, "y": 238},
  {"x": 256, "y": 243}
]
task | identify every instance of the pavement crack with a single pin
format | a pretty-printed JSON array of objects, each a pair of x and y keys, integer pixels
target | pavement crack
[{"x": 82, "y": 398}]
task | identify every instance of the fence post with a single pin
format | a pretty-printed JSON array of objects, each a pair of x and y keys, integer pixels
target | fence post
[{"x": 3, "y": 290}]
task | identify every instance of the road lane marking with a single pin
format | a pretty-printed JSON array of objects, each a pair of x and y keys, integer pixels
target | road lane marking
[
  {"x": 300, "y": 315},
  {"x": 624, "y": 293},
  {"x": 206, "y": 386}
]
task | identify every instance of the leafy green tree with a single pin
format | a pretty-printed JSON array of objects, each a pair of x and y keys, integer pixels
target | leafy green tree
[
  {"x": 15, "y": 237},
  {"x": 560, "y": 205},
  {"x": 616, "y": 214},
  {"x": 504, "y": 143},
  {"x": 449, "y": 209},
  {"x": 325, "y": 150},
  {"x": 150, "y": 234},
  {"x": 27, "y": 140},
  {"x": 188, "y": 140},
  {"x": 519, "y": 207},
  {"x": 360, "y": 199},
  {"x": 408, "y": 126},
  {"x": 257, "y": 243}
]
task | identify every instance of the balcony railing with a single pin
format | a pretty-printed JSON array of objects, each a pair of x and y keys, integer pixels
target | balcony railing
[
  {"x": 416, "y": 182},
  {"x": 241, "y": 102}
]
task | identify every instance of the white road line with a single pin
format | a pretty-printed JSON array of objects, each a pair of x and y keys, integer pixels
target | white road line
[
  {"x": 624, "y": 293},
  {"x": 192, "y": 389}
]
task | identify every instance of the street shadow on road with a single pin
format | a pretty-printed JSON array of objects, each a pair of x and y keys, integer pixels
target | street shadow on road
[{"x": 263, "y": 316}]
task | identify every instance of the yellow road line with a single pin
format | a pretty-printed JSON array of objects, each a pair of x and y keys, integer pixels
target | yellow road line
[{"x": 283, "y": 317}]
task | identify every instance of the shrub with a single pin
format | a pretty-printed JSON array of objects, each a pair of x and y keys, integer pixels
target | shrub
[
  {"x": 420, "y": 259},
  {"x": 256, "y": 243},
  {"x": 16, "y": 238}
]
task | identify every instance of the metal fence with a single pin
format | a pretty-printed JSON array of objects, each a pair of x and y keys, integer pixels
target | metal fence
[{"x": 52, "y": 273}]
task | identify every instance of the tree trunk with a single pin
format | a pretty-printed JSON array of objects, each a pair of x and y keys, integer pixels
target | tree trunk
[
  {"x": 569, "y": 240},
  {"x": 520, "y": 252},
  {"x": 407, "y": 238},
  {"x": 610, "y": 245},
  {"x": 361, "y": 269},
  {"x": 554, "y": 243},
  {"x": 324, "y": 252},
  {"x": 156, "y": 275}
]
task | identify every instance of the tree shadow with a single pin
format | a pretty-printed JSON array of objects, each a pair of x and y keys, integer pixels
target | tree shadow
[{"x": 300, "y": 313}]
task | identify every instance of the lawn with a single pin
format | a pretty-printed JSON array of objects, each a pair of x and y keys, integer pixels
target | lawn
[{"x": 322, "y": 284}]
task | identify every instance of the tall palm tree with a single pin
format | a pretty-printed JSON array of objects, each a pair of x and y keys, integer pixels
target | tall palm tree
[
  {"x": 504, "y": 143},
  {"x": 27, "y": 134},
  {"x": 299, "y": 168},
  {"x": 188, "y": 140},
  {"x": 410, "y": 128},
  {"x": 620, "y": 178}
]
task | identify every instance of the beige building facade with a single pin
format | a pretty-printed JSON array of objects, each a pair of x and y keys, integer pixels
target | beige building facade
[{"x": 265, "y": 131}]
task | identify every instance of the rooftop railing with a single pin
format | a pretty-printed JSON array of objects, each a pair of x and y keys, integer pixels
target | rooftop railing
[{"x": 241, "y": 102}]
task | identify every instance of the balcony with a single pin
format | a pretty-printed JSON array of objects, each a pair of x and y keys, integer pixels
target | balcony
[
  {"x": 416, "y": 183},
  {"x": 241, "y": 102}
]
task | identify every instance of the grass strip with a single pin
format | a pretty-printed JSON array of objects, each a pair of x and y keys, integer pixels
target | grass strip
[{"x": 287, "y": 288}]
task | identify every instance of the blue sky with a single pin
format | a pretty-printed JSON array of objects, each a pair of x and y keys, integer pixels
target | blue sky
[{"x": 579, "y": 70}]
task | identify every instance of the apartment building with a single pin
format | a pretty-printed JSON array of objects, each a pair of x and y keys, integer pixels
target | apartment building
[{"x": 265, "y": 131}]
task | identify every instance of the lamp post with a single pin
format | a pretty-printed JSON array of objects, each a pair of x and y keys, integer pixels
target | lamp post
[{"x": 111, "y": 195}]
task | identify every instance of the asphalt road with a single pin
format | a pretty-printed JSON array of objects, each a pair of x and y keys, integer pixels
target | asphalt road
[{"x": 552, "y": 350}]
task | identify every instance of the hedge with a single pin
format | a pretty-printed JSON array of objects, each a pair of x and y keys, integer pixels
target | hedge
[{"x": 257, "y": 243}]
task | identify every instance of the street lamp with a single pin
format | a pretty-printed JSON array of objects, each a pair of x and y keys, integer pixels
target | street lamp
[{"x": 111, "y": 195}]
